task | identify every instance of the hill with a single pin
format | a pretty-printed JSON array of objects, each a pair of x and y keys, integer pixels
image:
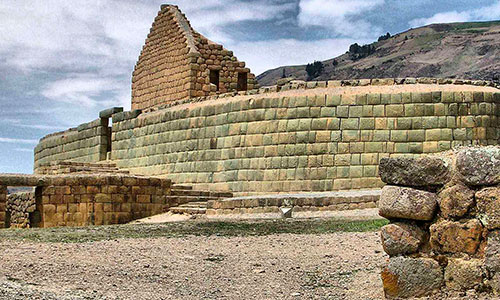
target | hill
[{"x": 456, "y": 50}]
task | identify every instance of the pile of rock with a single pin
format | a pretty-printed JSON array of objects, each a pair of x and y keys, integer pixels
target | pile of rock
[
  {"x": 18, "y": 208},
  {"x": 444, "y": 234}
]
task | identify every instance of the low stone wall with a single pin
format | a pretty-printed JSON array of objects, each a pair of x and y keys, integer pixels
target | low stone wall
[
  {"x": 310, "y": 202},
  {"x": 444, "y": 234},
  {"x": 18, "y": 209},
  {"x": 81, "y": 200},
  {"x": 3, "y": 205}
]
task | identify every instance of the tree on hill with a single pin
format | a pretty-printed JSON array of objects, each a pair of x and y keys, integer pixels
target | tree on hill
[
  {"x": 335, "y": 63},
  {"x": 357, "y": 52},
  {"x": 384, "y": 37},
  {"x": 314, "y": 70}
]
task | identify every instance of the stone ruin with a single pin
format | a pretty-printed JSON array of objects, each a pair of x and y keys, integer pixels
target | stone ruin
[
  {"x": 444, "y": 234},
  {"x": 178, "y": 63}
]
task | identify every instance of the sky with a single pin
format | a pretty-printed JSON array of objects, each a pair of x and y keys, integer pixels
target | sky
[{"x": 61, "y": 62}]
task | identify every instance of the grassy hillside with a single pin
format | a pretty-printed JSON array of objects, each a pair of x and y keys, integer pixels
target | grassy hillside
[{"x": 456, "y": 50}]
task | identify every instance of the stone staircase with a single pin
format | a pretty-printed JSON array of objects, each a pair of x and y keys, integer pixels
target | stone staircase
[
  {"x": 193, "y": 202},
  {"x": 71, "y": 167}
]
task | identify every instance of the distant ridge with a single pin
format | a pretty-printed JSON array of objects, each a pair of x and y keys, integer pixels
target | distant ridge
[{"x": 456, "y": 50}]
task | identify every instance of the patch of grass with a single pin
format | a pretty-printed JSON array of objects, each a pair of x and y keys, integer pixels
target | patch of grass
[
  {"x": 170, "y": 230},
  {"x": 471, "y": 25}
]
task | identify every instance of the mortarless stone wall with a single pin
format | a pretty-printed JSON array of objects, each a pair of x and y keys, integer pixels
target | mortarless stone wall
[
  {"x": 176, "y": 62},
  {"x": 19, "y": 208},
  {"x": 445, "y": 220},
  {"x": 86, "y": 143}
]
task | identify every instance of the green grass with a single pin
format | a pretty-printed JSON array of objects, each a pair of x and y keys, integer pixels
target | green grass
[
  {"x": 471, "y": 25},
  {"x": 195, "y": 228}
]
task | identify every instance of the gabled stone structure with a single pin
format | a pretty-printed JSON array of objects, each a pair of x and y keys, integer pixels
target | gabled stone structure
[{"x": 178, "y": 63}]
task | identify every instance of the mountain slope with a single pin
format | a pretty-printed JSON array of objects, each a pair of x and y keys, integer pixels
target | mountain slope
[{"x": 456, "y": 50}]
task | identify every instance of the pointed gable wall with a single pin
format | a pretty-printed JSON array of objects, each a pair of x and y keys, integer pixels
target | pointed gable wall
[{"x": 178, "y": 63}]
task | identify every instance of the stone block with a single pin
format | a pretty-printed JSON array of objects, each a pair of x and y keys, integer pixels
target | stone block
[
  {"x": 456, "y": 237},
  {"x": 479, "y": 166},
  {"x": 455, "y": 201},
  {"x": 411, "y": 277},
  {"x": 407, "y": 203},
  {"x": 409, "y": 171},
  {"x": 462, "y": 275},
  {"x": 488, "y": 205},
  {"x": 401, "y": 238}
]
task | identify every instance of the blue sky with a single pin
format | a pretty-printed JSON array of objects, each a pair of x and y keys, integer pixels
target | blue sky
[{"x": 61, "y": 62}]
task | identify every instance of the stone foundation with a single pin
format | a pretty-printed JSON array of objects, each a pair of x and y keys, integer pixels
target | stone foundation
[
  {"x": 310, "y": 202},
  {"x": 444, "y": 234}
]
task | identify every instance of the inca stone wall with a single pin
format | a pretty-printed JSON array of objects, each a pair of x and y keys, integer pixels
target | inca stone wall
[
  {"x": 81, "y": 200},
  {"x": 444, "y": 234},
  {"x": 86, "y": 143},
  {"x": 19, "y": 208},
  {"x": 176, "y": 63},
  {"x": 320, "y": 139}
]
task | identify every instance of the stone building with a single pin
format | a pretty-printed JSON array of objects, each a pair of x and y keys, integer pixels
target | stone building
[{"x": 178, "y": 63}]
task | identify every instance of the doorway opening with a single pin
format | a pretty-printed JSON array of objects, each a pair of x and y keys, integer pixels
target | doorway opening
[
  {"x": 242, "y": 81},
  {"x": 214, "y": 78}
]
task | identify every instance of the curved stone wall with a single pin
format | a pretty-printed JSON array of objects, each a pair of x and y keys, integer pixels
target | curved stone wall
[{"x": 321, "y": 139}]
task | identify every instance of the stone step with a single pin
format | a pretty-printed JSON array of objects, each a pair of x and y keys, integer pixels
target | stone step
[{"x": 188, "y": 210}]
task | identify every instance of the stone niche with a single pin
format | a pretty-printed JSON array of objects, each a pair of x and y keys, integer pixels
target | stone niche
[{"x": 444, "y": 235}]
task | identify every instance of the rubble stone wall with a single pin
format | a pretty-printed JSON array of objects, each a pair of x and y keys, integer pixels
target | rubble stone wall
[
  {"x": 444, "y": 234},
  {"x": 86, "y": 143},
  {"x": 316, "y": 140},
  {"x": 19, "y": 207},
  {"x": 3, "y": 205}
]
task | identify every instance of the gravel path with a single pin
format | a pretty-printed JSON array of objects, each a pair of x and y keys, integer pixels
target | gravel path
[{"x": 282, "y": 266}]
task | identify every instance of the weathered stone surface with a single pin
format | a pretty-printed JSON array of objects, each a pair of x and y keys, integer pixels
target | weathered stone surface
[
  {"x": 479, "y": 166},
  {"x": 456, "y": 237},
  {"x": 455, "y": 201},
  {"x": 401, "y": 238},
  {"x": 423, "y": 171},
  {"x": 492, "y": 253},
  {"x": 411, "y": 277},
  {"x": 407, "y": 203},
  {"x": 461, "y": 275},
  {"x": 488, "y": 205}
]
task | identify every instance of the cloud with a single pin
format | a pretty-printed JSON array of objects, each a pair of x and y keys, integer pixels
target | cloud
[
  {"x": 18, "y": 141},
  {"x": 446, "y": 17},
  {"x": 486, "y": 13},
  {"x": 340, "y": 16},
  {"x": 82, "y": 90},
  {"x": 23, "y": 150}
]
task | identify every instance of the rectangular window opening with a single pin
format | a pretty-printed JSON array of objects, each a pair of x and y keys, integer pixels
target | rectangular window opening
[
  {"x": 242, "y": 81},
  {"x": 214, "y": 78}
]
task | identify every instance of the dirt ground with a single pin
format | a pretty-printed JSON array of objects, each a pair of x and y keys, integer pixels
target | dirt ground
[{"x": 282, "y": 266}]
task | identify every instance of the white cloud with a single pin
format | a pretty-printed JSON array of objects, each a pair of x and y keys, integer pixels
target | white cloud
[
  {"x": 486, "y": 13},
  {"x": 18, "y": 141},
  {"x": 82, "y": 90},
  {"x": 446, "y": 17},
  {"x": 23, "y": 150},
  {"x": 338, "y": 16}
]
